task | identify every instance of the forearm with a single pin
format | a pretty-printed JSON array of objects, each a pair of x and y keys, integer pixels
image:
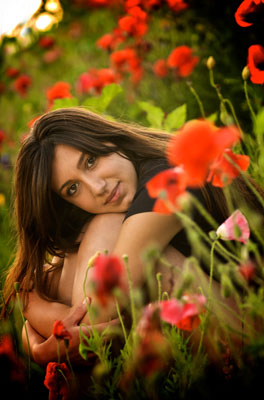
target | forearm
[{"x": 42, "y": 313}]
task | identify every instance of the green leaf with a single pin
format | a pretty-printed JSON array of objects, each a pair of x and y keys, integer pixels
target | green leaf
[
  {"x": 155, "y": 115},
  {"x": 176, "y": 118},
  {"x": 64, "y": 103},
  {"x": 100, "y": 103}
]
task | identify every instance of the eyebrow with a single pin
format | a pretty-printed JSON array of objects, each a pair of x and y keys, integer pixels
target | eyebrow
[{"x": 79, "y": 163}]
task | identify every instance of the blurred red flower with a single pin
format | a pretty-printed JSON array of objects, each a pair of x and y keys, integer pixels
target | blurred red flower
[
  {"x": 185, "y": 313},
  {"x": 60, "y": 332},
  {"x": 247, "y": 270},
  {"x": 52, "y": 55},
  {"x": 12, "y": 72},
  {"x": 177, "y": 5},
  {"x": 234, "y": 227},
  {"x": 250, "y": 12},
  {"x": 60, "y": 90},
  {"x": 197, "y": 145},
  {"x": 134, "y": 24},
  {"x": 22, "y": 84},
  {"x": 183, "y": 60},
  {"x": 57, "y": 380},
  {"x": 160, "y": 68},
  {"x": 12, "y": 368},
  {"x": 255, "y": 63},
  {"x": 2, "y": 136},
  {"x": 46, "y": 42},
  {"x": 96, "y": 79},
  {"x": 110, "y": 41},
  {"x": 127, "y": 61},
  {"x": 168, "y": 186},
  {"x": 222, "y": 171},
  {"x": 108, "y": 274}
]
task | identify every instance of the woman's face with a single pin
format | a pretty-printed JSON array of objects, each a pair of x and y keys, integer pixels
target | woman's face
[{"x": 99, "y": 185}]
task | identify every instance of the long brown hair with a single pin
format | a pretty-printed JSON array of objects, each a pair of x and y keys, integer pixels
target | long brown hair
[{"x": 47, "y": 225}]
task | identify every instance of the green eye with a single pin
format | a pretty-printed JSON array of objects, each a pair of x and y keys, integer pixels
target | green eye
[{"x": 72, "y": 189}]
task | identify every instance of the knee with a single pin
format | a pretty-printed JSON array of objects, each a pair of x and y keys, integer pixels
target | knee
[{"x": 101, "y": 233}]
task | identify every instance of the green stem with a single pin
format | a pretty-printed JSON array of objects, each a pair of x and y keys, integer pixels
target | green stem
[
  {"x": 69, "y": 363},
  {"x": 159, "y": 278},
  {"x": 227, "y": 101},
  {"x": 133, "y": 312},
  {"x": 200, "y": 104},
  {"x": 58, "y": 350},
  {"x": 26, "y": 331},
  {"x": 190, "y": 222},
  {"x": 121, "y": 322},
  {"x": 253, "y": 115}
]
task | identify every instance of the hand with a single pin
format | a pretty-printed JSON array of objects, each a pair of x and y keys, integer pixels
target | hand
[{"x": 44, "y": 350}]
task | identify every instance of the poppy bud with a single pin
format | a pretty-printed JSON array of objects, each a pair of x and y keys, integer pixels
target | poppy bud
[
  {"x": 245, "y": 73},
  {"x": 210, "y": 62}
]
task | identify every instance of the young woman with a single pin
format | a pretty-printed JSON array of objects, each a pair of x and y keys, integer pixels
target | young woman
[{"x": 80, "y": 188}]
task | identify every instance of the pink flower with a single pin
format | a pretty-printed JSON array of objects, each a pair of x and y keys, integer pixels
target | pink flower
[
  {"x": 184, "y": 314},
  {"x": 234, "y": 228}
]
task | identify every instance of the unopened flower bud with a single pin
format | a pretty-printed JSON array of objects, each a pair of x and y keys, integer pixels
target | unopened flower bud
[
  {"x": 245, "y": 73},
  {"x": 210, "y": 62}
]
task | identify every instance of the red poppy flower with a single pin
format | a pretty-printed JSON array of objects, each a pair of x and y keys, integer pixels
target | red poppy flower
[
  {"x": 250, "y": 12},
  {"x": 108, "y": 275},
  {"x": 177, "y": 5},
  {"x": 60, "y": 90},
  {"x": 256, "y": 63},
  {"x": 126, "y": 60},
  {"x": 60, "y": 332},
  {"x": 22, "y": 84},
  {"x": 160, "y": 68},
  {"x": 12, "y": 366},
  {"x": 95, "y": 80},
  {"x": 2, "y": 136},
  {"x": 12, "y": 72},
  {"x": 52, "y": 55},
  {"x": 57, "y": 380},
  {"x": 46, "y": 42},
  {"x": 197, "y": 145},
  {"x": 222, "y": 171},
  {"x": 168, "y": 186},
  {"x": 134, "y": 24},
  {"x": 109, "y": 41},
  {"x": 182, "y": 58},
  {"x": 184, "y": 314},
  {"x": 247, "y": 270}
]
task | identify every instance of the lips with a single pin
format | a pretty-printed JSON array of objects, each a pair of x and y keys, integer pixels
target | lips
[{"x": 114, "y": 195}]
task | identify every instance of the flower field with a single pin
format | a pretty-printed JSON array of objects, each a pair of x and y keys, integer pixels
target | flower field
[{"x": 194, "y": 68}]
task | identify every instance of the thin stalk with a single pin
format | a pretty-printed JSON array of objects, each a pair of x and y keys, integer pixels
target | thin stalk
[
  {"x": 24, "y": 324},
  {"x": 200, "y": 104},
  {"x": 253, "y": 115},
  {"x": 159, "y": 278},
  {"x": 224, "y": 101},
  {"x": 132, "y": 304},
  {"x": 58, "y": 350},
  {"x": 121, "y": 322},
  {"x": 69, "y": 363}
]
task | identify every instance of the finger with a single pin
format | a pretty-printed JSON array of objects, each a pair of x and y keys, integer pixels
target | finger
[{"x": 78, "y": 312}]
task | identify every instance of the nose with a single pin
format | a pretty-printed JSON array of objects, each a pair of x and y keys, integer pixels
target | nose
[{"x": 97, "y": 185}]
